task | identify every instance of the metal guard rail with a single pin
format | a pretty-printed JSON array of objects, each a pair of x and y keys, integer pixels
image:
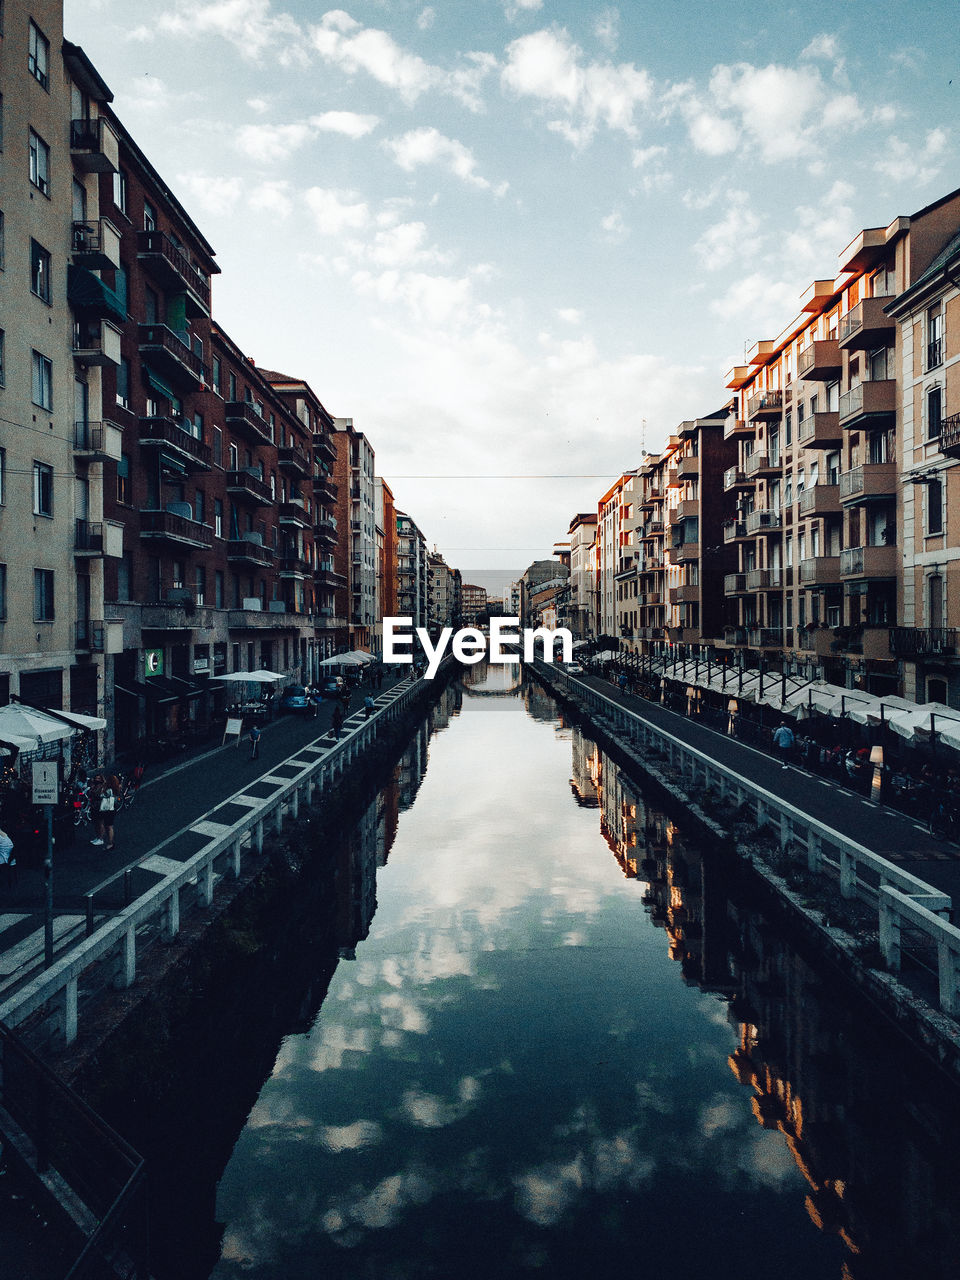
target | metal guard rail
[
  {"x": 59, "y": 984},
  {"x": 901, "y": 898}
]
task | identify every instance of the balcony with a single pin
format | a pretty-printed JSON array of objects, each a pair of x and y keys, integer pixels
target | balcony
[
  {"x": 90, "y": 635},
  {"x": 93, "y": 146},
  {"x": 651, "y": 599},
  {"x": 764, "y": 522},
  {"x": 325, "y": 531},
  {"x": 95, "y": 245},
  {"x": 244, "y": 421},
  {"x": 88, "y": 538},
  {"x": 685, "y": 553},
  {"x": 733, "y": 530},
  {"x": 171, "y": 526},
  {"x": 97, "y": 441},
  {"x": 684, "y": 594},
  {"x": 820, "y": 500},
  {"x": 688, "y": 509},
  {"x": 292, "y": 458},
  {"x": 734, "y": 584},
  {"x": 866, "y": 326},
  {"x": 250, "y": 550},
  {"x": 168, "y": 435},
  {"x": 759, "y": 464},
  {"x": 735, "y": 427},
  {"x": 766, "y": 404},
  {"x": 865, "y": 401},
  {"x": 324, "y": 489},
  {"x": 950, "y": 435},
  {"x": 820, "y": 431},
  {"x": 246, "y": 486},
  {"x": 292, "y": 566},
  {"x": 323, "y": 447},
  {"x": 764, "y": 580},
  {"x": 689, "y": 466},
  {"x": 922, "y": 642},
  {"x": 173, "y": 270},
  {"x": 295, "y": 514},
  {"x": 869, "y": 562},
  {"x": 821, "y": 361},
  {"x": 329, "y": 580},
  {"x": 819, "y": 571},
  {"x": 870, "y": 482},
  {"x": 765, "y": 637},
  {"x": 172, "y": 357},
  {"x": 735, "y": 478},
  {"x": 96, "y": 342}
]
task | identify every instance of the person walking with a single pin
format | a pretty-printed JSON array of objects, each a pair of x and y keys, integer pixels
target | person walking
[
  {"x": 368, "y": 705},
  {"x": 255, "y": 735},
  {"x": 783, "y": 741},
  {"x": 338, "y": 719},
  {"x": 104, "y": 796}
]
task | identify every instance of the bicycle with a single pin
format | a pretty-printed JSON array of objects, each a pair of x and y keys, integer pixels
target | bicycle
[
  {"x": 130, "y": 784},
  {"x": 944, "y": 821}
]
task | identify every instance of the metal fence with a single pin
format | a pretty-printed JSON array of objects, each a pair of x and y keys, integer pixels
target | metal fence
[
  {"x": 903, "y": 901},
  {"x": 115, "y": 943}
]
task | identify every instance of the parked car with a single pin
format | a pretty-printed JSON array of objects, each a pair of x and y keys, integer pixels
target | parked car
[
  {"x": 574, "y": 669},
  {"x": 295, "y": 699},
  {"x": 332, "y": 686}
]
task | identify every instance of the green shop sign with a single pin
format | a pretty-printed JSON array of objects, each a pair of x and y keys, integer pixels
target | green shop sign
[{"x": 153, "y": 662}]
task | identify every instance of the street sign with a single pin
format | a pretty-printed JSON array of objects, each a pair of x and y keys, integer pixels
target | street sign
[{"x": 45, "y": 782}]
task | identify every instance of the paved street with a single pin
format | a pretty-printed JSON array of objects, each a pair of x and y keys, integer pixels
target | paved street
[
  {"x": 884, "y": 831},
  {"x": 154, "y": 830}
]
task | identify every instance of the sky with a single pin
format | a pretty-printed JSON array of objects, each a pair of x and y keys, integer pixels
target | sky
[{"x": 519, "y": 241}]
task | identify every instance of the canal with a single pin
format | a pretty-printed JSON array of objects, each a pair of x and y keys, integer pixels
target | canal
[{"x": 552, "y": 1036}]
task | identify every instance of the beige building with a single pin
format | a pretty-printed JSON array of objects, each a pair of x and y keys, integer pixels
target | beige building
[
  {"x": 583, "y": 575},
  {"x": 925, "y": 639},
  {"x": 53, "y": 246}
]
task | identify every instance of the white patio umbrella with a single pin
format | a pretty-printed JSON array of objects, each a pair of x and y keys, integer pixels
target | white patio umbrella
[
  {"x": 360, "y": 655},
  {"x": 81, "y": 721},
  {"x": 27, "y": 728},
  {"x": 930, "y": 716},
  {"x": 262, "y": 676}
]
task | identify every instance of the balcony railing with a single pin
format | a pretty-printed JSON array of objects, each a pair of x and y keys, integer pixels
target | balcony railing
[
  {"x": 94, "y": 146},
  {"x": 173, "y": 527},
  {"x": 97, "y": 440},
  {"x": 178, "y": 360},
  {"x": 921, "y": 642},
  {"x": 243, "y": 419},
  {"x": 96, "y": 342},
  {"x": 867, "y": 400},
  {"x": 819, "y": 570},
  {"x": 293, "y": 513},
  {"x": 758, "y": 462},
  {"x": 249, "y": 552},
  {"x": 734, "y": 584},
  {"x": 292, "y": 456},
  {"x": 764, "y": 579},
  {"x": 96, "y": 245},
  {"x": 249, "y": 485},
  {"x": 734, "y": 529},
  {"x": 865, "y": 325},
  {"x": 735, "y": 478},
  {"x": 764, "y": 520},
  {"x": 871, "y": 480},
  {"x": 950, "y": 435},
  {"x": 820, "y": 361},
  {"x": 766, "y": 404},
  {"x": 168, "y": 432},
  {"x": 89, "y": 635},
  {"x": 820, "y": 500},
  {"x": 171, "y": 266},
  {"x": 765, "y": 637},
  {"x": 88, "y": 537},
  {"x": 820, "y": 430},
  {"x": 869, "y": 562}
]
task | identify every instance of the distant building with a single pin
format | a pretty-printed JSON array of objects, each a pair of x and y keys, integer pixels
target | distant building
[{"x": 474, "y": 605}]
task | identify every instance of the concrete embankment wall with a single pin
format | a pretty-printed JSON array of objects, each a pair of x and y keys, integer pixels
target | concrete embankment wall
[{"x": 829, "y": 932}]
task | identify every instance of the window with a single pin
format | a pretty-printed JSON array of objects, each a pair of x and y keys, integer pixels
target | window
[
  {"x": 178, "y": 575},
  {"x": 877, "y": 364},
  {"x": 43, "y": 595},
  {"x": 218, "y": 588},
  {"x": 120, "y": 190},
  {"x": 125, "y": 576},
  {"x": 201, "y": 583},
  {"x": 934, "y": 337},
  {"x": 39, "y": 271},
  {"x": 233, "y": 386},
  {"x": 218, "y": 517},
  {"x": 149, "y": 216},
  {"x": 3, "y": 592},
  {"x": 234, "y": 458},
  {"x": 934, "y": 507},
  {"x": 39, "y": 163},
  {"x": 123, "y": 384},
  {"x": 42, "y": 489},
  {"x": 199, "y": 507},
  {"x": 151, "y": 307},
  {"x": 934, "y": 412},
  {"x": 38, "y": 56},
  {"x": 217, "y": 374},
  {"x": 42, "y": 381},
  {"x": 123, "y": 479},
  {"x": 218, "y": 446},
  {"x": 3, "y": 363}
]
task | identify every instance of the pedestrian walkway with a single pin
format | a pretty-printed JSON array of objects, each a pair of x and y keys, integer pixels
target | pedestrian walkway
[
  {"x": 887, "y": 832},
  {"x": 153, "y": 836}
]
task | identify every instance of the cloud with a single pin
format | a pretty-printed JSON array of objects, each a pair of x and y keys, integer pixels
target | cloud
[
  {"x": 271, "y": 143},
  {"x": 760, "y": 298},
  {"x": 249, "y": 25},
  {"x": 273, "y": 198},
  {"x": 902, "y": 162},
  {"x": 548, "y": 66},
  {"x": 821, "y": 228},
  {"x": 513, "y": 10},
  {"x": 734, "y": 236},
  {"x": 426, "y": 18},
  {"x": 606, "y": 28},
  {"x": 822, "y": 46},
  {"x": 336, "y": 211},
  {"x": 350, "y": 123},
  {"x": 614, "y": 227},
  {"x": 427, "y": 146},
  {"x": 342, "y": 41},
  {"x": 570, "y": 315},
  {"x": 217, "y": 197}
]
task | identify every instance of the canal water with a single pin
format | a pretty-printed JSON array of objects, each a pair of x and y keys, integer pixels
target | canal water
[{"x": 556, "y": 1043}]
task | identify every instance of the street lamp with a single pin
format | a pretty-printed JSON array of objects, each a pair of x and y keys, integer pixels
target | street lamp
[{"x": 876, "y": 759}]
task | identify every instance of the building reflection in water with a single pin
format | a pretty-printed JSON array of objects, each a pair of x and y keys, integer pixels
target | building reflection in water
[{"x": 873, "y": 1127}]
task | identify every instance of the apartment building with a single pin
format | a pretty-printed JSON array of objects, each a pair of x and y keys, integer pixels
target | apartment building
[
  {"x": 928, "y": 614},
  {"x": 411, "y": 570},
  {"x": 358, "y": 559},
  {"x": 617, "y": 541},
  {"x": 583, "y": 575},
  {"x": 697, "y": 550},
  {"x": 511, "y": 600},
  {"x": 445, "y": 591},
  {"x": 474, "y": 603},
  {"x": 814, "y": 492},
  {"x": 53, "y": 540},
  {"x": 539, "y": 572},
  {"x": 657, "y": 571},
  {"x": 385, "y": 518}
]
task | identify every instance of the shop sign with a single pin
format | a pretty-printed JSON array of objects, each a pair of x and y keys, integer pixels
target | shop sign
[
  {"x": 153, "y": 662},
  {"x": 201, "y": 666}
]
